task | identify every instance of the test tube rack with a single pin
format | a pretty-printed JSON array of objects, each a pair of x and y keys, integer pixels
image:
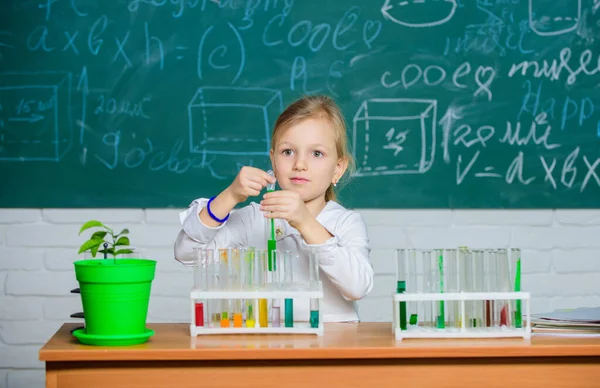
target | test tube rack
[
  {"x": 297, "y": 295},
  {"x": 461, "y": 331}
]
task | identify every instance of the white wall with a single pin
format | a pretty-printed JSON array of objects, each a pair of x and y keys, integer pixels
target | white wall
[{"x": 561, "y": 264}]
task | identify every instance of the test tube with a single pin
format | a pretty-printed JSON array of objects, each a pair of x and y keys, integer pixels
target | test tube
[
  {"x": 465, "y": 284},
  {"x": 452, "y": 284},
  {"x": 439, "y": 273},
  {"x": 401, "y": 259},
  {"x": 314, "y": 285},
  {"x": 261, "y": 273},
  {"x": 212, "y": 278},
  {"x": 504, "y": 285},
  {"x": 429, "y": 286},
  {"x": 248, "y": 281},
  {"x": 288, "y": 271},
  {"x": 224, "y": 280},
  {"x": 276, "y": 313},
  {"x": 200, "y": 283},
  {"x": 515, "y": 255},
  {"x": 477, "y": 285},
  {"x": 235, "y": 279},
  {"x": 492, "y": 318},
  {"x": 412, "y": 286}
]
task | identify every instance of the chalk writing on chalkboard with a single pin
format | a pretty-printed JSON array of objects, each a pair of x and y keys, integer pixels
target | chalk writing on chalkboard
[{"x": 448, "y": 103}]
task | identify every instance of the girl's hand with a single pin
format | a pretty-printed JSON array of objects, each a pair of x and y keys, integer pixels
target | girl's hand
[
  {"x": 286, "y": 205},
  {"x": 249, "y": 183}
]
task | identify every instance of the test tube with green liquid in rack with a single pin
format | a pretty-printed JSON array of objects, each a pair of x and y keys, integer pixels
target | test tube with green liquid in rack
[
  {"x": 516, "y": 263},
  {"x": 401, "y": 259},
  {"x": 288, "y": 272},
  {"x": 314, "y": 285}
]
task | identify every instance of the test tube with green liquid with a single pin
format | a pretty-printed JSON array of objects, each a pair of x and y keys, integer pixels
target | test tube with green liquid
[
  {"x": 249, "y": 285},
  {"x": 516, "y": 264},
  {"x": 314, "y": 286},
  {"x": 288, "y": 272},
  {"x": 441, "y": 314},
  {"x": 271, "y": 241},
  {"x": 412, "y": 287},
  {"x": 401, "y": 258}
]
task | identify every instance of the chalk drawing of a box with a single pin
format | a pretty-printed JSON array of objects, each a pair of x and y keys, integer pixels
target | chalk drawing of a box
[
  {"x": 394, "y": 136},
  {"x": 233, "y": 120},
  {"x": 35, "y": 116}
]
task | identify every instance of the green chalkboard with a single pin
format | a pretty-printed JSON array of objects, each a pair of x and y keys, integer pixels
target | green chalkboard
[{"x": 448, "y": 103}]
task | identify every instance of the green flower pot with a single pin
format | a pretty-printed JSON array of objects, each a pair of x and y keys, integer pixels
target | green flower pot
[{"x": 115, "y": 295}]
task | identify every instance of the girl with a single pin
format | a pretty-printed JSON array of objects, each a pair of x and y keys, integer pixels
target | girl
[{"x": 309, "y": 156}]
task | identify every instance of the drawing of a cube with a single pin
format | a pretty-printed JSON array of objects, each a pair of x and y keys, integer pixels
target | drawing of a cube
[
  {"x": 35, "y": 116},
  {"x": 394, "y": 136},
  {"x": 233, "y": 120}
]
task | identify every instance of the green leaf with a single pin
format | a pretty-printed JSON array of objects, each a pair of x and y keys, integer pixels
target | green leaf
[
  {"x": 124, "y": 231},
  {"x": 90, "y": 224},
  {"x": 122, "y": 241},
  {"x": 94, "y": 250},
  {"x": 91, "y": 243},
  {"x": 123, "y": 251},
  {"x": 99, "y": 235}
]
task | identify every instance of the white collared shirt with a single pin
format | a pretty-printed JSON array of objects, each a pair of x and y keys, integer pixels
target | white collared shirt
[{"x": 346, "y": 271}]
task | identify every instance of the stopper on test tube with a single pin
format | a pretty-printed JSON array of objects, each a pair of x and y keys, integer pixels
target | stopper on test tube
[{"x": 271, "y": 186}]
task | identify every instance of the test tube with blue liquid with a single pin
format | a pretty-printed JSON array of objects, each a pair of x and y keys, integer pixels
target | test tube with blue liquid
[{"x": 314, "y": 286}]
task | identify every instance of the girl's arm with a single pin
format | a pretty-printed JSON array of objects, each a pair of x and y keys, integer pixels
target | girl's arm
[
  {"x": 196, "y": 234},
  {"x": 200, "y": 230},
  {"x": 344, "y": 258}
]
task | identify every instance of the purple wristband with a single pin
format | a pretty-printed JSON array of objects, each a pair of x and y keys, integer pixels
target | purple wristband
[{"x": 211, "y": 213}]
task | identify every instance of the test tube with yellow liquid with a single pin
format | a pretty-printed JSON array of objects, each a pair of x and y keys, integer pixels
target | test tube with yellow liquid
[
  {"x": 224, "y": 282},
  {"x": 261, "y": 273},
  {"x": 248, "y": 265},
  {"x": 236, "y": 278}
]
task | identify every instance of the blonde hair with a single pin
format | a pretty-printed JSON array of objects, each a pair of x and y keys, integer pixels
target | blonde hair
[{"x": 317, "y": 107}]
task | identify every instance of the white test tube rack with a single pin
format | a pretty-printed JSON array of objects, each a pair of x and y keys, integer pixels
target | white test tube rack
[
  {"x": 299, "y": 296},
  {"x": 417, "y": 331}
]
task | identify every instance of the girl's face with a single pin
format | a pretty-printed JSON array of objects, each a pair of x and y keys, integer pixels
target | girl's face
[{"x": 305, "y": 159}]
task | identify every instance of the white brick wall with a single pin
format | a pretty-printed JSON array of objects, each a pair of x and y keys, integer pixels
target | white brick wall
[{"x": 561, "y": 264}]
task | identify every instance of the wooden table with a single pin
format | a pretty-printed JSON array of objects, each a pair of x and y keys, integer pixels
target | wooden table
[{"x": 348, "y": 355}]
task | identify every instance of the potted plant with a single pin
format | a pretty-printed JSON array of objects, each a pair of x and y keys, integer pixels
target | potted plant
[{"x": 115, "y": 292}]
